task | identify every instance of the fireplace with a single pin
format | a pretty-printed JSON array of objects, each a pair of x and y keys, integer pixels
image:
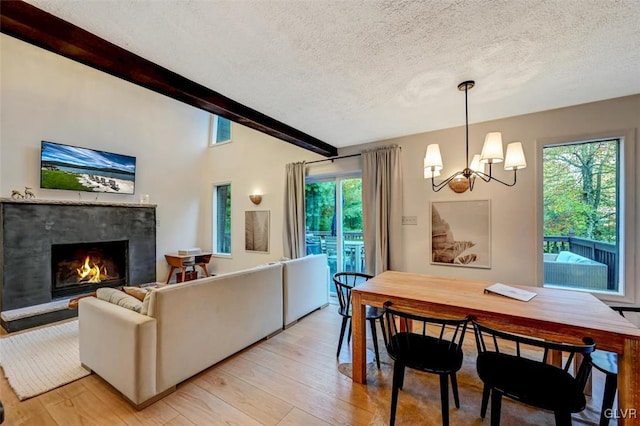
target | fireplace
[
  {"x": 84, "y": 267},
  {"x": 31, "y": 229}
]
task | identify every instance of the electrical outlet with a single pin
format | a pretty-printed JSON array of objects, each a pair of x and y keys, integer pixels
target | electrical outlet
[
  {"x": 157, "y": 222},
  {"x": 409, "y": 220}
]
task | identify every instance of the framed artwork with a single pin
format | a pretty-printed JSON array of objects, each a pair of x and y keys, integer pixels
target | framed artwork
[
  {"x": 461, "y": 233},
  {"x": 256, "y": 231}
]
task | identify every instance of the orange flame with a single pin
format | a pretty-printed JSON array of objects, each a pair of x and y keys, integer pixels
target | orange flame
[{"x": 91, "y": 273}]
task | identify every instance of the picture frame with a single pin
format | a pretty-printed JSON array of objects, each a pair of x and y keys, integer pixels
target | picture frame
[
  {"x": 461, "y": 233},
  {"x": 256, "y": 231}
]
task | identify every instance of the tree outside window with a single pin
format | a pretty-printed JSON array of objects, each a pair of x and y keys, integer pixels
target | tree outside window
[
  {"x": 222, "y": 219},
  {"x": 581, "y": 208}
]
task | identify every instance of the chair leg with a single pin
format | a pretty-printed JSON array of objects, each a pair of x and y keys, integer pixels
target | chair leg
[
  {"x": 610, "y": 386},
  {"x": 349, "y": 335},
  {"x": 454, "y": 389},
  {"x": 384, "y": 334},
  {"x": 562, "y": 418},
  {"x": 342, "y": 329},
  {"x": 444, "y": 398},
  {"x": 486, "y": 391},
  {"x": 398, "y": 374},
  {"x": 496, "y": 405},
  {"x": 374, "y": 335},
  {"x": 401, "y": 379}
]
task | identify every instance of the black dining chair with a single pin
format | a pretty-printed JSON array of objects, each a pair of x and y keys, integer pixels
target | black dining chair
[
  {"x": 607, "y": 362},
  {"x": 432, "y": 345},
  {"x": 345, "y": 281},
  {"x": 516, "y": 366}
]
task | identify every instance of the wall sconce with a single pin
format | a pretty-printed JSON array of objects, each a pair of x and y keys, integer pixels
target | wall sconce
[{"x": 255, "y": 199}]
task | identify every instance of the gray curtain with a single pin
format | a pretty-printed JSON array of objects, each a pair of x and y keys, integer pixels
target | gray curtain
[
  {"x": 382, "y": 208},
  {"x": 294, "y": 232}
]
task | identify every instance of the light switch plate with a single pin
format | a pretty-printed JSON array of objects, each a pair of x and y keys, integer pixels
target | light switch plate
[{"x": 409, "y": 220}]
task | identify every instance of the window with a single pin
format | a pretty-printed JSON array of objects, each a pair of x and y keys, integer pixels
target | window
[
  {"x": 220, "y": 131},
  {"x": 583, "y": 215},
  {"x": 222, "y": 219}
]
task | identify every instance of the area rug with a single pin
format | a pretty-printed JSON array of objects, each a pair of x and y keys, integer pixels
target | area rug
[{"x": 38, "y": 361}]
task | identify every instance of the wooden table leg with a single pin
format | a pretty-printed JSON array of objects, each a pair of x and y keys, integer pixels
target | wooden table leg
[
  {"x": 555, "y": 358},
  {"x": 358, "y": 322},
  {"x": 173, "y": 268},
  {"x": 204, "y": 266},
  {"x": 628, "y": 412}
]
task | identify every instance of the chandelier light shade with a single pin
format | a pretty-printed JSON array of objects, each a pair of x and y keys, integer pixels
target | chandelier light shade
[
  {"x": 491, "y": 153},
  {"x": 433, "y": 159},
  {"x": 515, "y": 157},
  {"x": 476, "y": 165},
  {"x": 492, "y": 148}
]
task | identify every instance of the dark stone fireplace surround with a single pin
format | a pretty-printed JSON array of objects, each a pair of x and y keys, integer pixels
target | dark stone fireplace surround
[{"x": 29, "y": 229}]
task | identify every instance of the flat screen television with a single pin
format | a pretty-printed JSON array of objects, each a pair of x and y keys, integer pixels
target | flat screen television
[{"x": 83, "y": 169}]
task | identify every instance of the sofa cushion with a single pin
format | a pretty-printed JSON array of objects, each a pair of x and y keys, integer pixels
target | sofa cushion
[
  {"x": 120, "y": 298},
  {"x": 145, "y": 303},
  {"x": 566, "y": 256},
  {"x": 137, "y": 292}
]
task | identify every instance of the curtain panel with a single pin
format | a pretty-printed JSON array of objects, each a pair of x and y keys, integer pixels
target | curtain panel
[
  {"x": 382, "y": 208},
  {"x": 294, "y": 230}
]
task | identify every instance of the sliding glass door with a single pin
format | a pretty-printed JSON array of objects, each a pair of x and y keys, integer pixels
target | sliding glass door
[{"x": 334, "y": 222}]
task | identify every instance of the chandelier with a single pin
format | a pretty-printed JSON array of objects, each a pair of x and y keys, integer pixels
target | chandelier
[{"x": 491, "y": 153}]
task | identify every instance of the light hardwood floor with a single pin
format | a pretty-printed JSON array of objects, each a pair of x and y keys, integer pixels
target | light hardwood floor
[{"x": 290, "y": 379}]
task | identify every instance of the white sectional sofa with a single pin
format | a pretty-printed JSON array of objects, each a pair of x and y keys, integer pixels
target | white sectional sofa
[
  {"x": 194, "y": 325},
  {"x": 189, "y": 327},
  {"x": 305, "y": 286}
]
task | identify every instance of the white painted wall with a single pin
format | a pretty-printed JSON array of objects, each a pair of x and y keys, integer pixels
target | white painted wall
[
  {"x": 47, "y": 97},
  {"x": 253, "y": 163},
  {"x": 516, "y": 257}
]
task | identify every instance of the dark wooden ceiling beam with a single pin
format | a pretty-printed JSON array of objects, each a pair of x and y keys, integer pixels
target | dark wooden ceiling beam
[{"x": 28, "y": 23}]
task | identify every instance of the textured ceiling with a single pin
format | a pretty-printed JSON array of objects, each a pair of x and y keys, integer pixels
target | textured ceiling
[{"x": 350, "y": 71}]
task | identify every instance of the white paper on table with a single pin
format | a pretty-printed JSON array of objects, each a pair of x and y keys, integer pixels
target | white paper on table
[{"x": 512, "y": 292}]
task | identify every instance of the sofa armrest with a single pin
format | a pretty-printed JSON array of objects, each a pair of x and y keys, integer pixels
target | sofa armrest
[
  {"x": 120, "y": 346},
  {"x": 305, "y": 286}
]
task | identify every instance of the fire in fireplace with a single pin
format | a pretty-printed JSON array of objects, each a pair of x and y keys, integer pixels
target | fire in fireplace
[{"x": 84, "y": 267}]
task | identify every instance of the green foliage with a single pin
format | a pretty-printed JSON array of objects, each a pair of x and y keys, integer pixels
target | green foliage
[
  {"x": 227, "y": 223},
  {"x": 352, "y": 205},
  {"x": 320, "y": 205},
  {"x": 580, "y": 190},
  {"x": 223, "y": 218},
  {"x": 58, "y": 179}
]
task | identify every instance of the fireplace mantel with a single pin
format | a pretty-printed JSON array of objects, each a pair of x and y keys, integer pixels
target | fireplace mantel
[
  {"x": 29, "y": 228},
  {"x": 74, "y": 203}
]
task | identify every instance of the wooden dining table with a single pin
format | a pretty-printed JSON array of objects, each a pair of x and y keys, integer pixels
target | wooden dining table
[{"x": 553, "y": 314}]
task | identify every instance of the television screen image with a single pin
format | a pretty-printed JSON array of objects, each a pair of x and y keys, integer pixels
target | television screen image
[{"x": 83, "y": 169}]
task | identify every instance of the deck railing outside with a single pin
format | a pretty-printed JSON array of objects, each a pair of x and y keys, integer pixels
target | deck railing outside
[
  {"x": 352, "y": 251},
  {"x": 599, "y": 251}
]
